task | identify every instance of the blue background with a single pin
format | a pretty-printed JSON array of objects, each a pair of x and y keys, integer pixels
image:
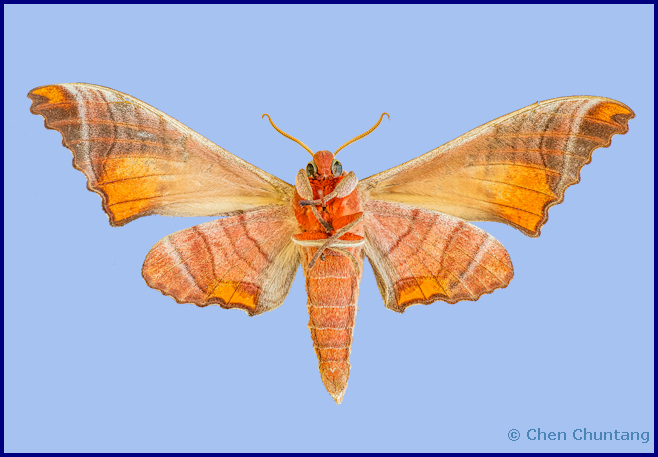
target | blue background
[{"x": 97, "y": 361}]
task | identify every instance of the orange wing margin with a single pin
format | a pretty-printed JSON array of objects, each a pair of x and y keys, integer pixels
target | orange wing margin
[
  {"x": 141, "y": 161},
  {"x": 510, "y": 170}
]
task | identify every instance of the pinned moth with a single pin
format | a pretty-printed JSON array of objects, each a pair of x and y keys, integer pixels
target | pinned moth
[{"x": 410, "y": 221}]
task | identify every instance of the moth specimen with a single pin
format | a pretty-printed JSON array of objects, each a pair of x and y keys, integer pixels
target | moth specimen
[{"x": 410, "y": 221}]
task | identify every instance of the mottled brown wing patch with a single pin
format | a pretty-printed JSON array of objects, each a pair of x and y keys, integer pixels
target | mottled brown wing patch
[
  {"x": 421, "y": 256},
  {"x": 510, "y": 170},
  {"x": 141, "y": 161},
  {"x": 245, "y": 261}
]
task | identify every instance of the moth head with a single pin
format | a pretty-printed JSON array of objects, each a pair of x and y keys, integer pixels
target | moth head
[{"x": 324, "y": 165}]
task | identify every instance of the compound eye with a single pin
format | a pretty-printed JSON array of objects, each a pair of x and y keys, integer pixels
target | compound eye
[
  {"x": 336, "y": 168},
  {"x": 311, "y": 169}
]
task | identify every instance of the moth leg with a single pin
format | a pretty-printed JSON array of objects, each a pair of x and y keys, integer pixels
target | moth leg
[
  {"x": 304, "y": 189},
  {"x": 326, "y": 225},
  {"x": 349, "y": 255},
  {"x": 333, "y": 239}
]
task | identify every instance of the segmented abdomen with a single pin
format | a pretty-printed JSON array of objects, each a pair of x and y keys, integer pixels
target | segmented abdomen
[{"x": 333, "y": 289}]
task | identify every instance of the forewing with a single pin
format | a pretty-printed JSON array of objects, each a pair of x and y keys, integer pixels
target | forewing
[
  {"x": 246, "y": 261},
  {"x": 421, "y": 256},
  {"x": 141, "y": 161},
  {"x": 510, "y": 170}
]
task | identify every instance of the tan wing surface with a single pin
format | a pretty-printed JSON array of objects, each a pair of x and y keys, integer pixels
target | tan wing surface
[
  {"x": 247, "y": 261},
  {"x": 141, "y": 161},
  {"x": 510, "y": 170},
  {"x": 420, "y": 256}
]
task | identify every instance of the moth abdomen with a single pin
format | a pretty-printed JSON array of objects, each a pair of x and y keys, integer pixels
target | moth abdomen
[{"x": 333, "y": 287}]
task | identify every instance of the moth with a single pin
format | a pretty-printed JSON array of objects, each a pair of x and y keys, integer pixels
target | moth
[{"x": 412, "y": 221}]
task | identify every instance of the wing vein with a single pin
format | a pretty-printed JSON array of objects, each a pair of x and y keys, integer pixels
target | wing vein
[
  {"x": 457, "y": 248},
  {"x": 240, "y": 255},
  {"x": 116, "y": 140},
  {"x": 549, "y": 134},
  {"x": 159, "y": 196},
  {"x": 512, "y": 184},
  {"x": 196, "y": 251},
  {"x": 514, "y": 165},
  {"x": 143, "y": 176},
  {"x": 428, "y": 269},
  {"x": 568, "y": 116},
  {"x": 122, "y": 157}
]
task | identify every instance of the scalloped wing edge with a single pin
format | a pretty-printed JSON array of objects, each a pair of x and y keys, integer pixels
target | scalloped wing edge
[
  {"x": 284, "y": 187},
  {"x": 372, "y": 181}
]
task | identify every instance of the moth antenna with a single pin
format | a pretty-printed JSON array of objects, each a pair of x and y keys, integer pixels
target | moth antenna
[
  {"x": 288, "y": 136},
  {"x": 357, "y": 138}
]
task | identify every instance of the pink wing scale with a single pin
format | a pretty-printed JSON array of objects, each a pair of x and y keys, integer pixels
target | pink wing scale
[
  {"x": 420, "y": 256},
  {"x": 245, "y": 261}
]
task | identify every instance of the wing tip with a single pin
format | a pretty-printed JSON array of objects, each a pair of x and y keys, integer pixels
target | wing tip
[
  {"x": 621, "y": 119},
  {"x": 52, "y": 93}
]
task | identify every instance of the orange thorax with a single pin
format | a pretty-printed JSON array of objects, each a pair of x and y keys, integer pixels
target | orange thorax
[{"x": 338, "y": 213}]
